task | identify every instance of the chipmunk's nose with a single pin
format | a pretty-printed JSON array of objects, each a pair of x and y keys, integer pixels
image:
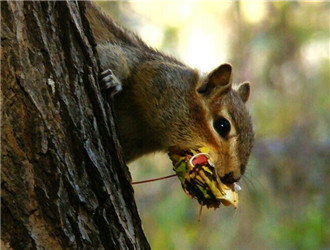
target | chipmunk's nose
[{"x": 229, "y": 178}]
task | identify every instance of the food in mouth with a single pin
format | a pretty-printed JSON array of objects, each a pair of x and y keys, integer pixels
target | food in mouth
[{"x": 199, "y": 178}]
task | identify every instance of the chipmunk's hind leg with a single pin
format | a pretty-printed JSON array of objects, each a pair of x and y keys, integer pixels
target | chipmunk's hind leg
[{"x": 109, "y": 83}]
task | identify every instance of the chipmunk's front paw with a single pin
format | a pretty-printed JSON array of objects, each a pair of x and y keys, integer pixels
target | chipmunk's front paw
[{"x": 109, "y": 83}]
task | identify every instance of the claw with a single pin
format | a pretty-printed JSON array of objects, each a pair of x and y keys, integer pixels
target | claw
[{"x": 109, "y": 83}]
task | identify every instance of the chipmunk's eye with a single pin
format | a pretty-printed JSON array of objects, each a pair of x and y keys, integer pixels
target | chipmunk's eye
[{"x": 222, "y": 126}]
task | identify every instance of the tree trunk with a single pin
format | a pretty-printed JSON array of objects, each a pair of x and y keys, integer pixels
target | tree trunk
[{"x": 64, "y": 183}]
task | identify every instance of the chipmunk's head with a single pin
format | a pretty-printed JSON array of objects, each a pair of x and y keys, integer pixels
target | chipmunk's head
[{"x": 224, "y": 125}]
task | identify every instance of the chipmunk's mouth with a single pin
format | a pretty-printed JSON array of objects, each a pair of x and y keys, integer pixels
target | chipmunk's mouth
[
  {"x": 229, "y": 179},
  {"x": 198, "y": 176}
]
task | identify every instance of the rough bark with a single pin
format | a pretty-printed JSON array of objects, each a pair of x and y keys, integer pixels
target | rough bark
[{"x": 64, "y": 183}]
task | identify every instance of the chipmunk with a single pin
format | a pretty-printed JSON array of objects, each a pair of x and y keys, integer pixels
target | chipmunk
[{"x": 160, "y": 103}]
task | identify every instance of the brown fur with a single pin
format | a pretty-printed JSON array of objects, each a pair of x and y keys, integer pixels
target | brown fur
[{"x": 167, "y": 104}]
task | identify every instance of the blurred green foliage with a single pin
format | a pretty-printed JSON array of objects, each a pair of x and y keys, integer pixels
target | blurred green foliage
[{"x": 284, "y": 203}]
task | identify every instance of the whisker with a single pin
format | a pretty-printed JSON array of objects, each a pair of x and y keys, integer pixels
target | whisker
[
  {"x": 251, "y": 180},
  {"x": 249, "y": 184},
  {"x": 255, "y": 181}
]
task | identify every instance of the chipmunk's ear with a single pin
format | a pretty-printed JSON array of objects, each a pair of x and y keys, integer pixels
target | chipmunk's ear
[
  {"x": 220, "y": 79},
  {"x": 244, "y": 91}
]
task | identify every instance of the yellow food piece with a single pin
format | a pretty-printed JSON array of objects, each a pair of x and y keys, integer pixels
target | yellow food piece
[{"x": 201, "y": 181}]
